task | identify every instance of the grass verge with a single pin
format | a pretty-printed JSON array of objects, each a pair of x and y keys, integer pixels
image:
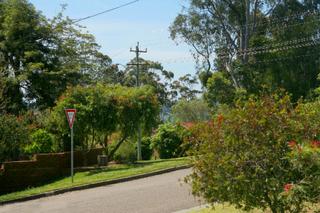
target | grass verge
[
  {"x": 110, "y": 173},
  {"x": 222, "y": 209},
  {"x": 231, "y": 209}
]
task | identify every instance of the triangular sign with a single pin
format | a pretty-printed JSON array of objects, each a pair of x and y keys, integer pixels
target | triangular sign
[{"x": 71, "y": 115}]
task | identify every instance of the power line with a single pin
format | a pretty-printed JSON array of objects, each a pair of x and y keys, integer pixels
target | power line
[
  {"x": 291, "y": 44},
  {"x": 105, "y": 11},
  {"x": 283, "y": 25},
  {"x": 283, "y": 19},
  {"x": 284, "y": 58},
  {"x": 282, "y": 44}
]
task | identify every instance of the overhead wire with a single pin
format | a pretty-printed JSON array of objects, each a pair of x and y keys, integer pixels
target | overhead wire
[
  {"x": 284, "y": 58},
  {"x": 105, "y": 11},
  {"x": 280, "y": 46},
  {"x": 283, "y": 19},
  {"x": 295, "y": 43}
]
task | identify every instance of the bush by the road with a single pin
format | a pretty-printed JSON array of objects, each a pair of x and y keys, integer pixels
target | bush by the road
[
  {"x": 14, "y": 135},
  {"x": 168, "y": 140},
  {"x": 146, "y": 149},
  {"x": 41, "y": 142},
  {"x": 126, "y": 153},
  {"x": 263, "y": 153}
]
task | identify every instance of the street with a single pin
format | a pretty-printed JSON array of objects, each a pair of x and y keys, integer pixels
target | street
[{"x": 157, "y": 194}]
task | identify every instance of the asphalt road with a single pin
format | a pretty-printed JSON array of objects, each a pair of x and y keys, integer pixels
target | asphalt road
[{"x": 161, "y": 193}]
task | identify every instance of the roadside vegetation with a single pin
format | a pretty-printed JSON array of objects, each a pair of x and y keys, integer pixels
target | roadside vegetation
[
  {"x": 100, "y": 174},
  {"x": 252, "y": 131}
]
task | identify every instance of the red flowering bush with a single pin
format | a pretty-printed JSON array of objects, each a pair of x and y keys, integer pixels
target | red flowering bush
[
  {"x": 288, "y": 187},
  {"x": 305, "y": 186},
  {"x": 263, "y": 153},
  {"x": 14, "y": 135}
]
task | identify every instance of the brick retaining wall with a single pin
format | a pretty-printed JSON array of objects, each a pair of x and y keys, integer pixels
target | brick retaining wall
[{"x": 18, "y": 175}]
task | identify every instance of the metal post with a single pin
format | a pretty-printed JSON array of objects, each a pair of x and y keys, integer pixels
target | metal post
[{"x": 72, "y": 154}]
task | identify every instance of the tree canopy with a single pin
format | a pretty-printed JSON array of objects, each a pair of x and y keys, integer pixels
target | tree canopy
[
  {"x": 255, "y": 43},
  {"x": 103, "y": 110},
  {"x": 40, "y": 57}
]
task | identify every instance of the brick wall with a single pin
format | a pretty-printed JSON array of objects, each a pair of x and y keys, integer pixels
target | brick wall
[{"x": 18, "y": 175}]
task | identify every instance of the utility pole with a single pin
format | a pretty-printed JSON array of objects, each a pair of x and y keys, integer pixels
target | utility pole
[{"x": 138, "y": 51}]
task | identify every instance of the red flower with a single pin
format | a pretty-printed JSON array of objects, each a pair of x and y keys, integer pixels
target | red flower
[
  {"x": 288, "y": 187},
  {"x": 315, "y": 144},
  {"x": 292, "y": 144}
]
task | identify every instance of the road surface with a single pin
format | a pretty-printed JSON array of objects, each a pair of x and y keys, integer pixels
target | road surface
[{"x": 161, "y": 193}]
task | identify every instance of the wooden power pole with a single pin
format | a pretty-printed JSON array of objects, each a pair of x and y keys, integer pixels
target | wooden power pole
[{"x": 137, "y": 64}]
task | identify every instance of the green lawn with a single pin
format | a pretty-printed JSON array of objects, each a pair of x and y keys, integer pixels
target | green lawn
[{"x": 93, "y": 176}]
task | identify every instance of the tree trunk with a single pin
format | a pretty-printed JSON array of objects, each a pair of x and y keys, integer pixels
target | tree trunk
[
  {"x": 246, "y": 34},
  {"x": 232, "y": 75},
  {"x": 110, "y": 155}
]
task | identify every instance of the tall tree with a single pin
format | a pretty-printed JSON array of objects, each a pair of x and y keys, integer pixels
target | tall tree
[
  {"x": 240, "y": 37},
  {"x": 39, "y": 57},
  {"x": 184, "y": 87},
  {"x": 151, "y": 73}
]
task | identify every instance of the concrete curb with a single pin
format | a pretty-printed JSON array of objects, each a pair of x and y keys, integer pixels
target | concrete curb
[
  {"x": 197, "y": 208},
  {"x": 93, "y": 185}
]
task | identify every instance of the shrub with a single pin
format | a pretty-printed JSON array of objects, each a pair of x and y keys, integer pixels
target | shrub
[
  {"x": 13, "y": 137},
  {"x": 146, "y": 148},
  {"x": 126, "y": 153},
  {"x": 168, "y": 140},
  {"x": 304, "y": 159},
  {"x": 41, "y": 142},
  {"x": 247, "y": 157}
]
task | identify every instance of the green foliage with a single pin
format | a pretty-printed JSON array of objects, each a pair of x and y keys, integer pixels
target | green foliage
[
  {"x": 190, "y": 111},
  {"x": 103, "y": 110},
  {"x": 184, "y": 87},
  {"x": 126, "y": 153},
  {"x": 51, "y": 55},
  {"x": 146, "y": 149},
  {"x": 41, "y": 142},
  {"x": 305, "y": 160},
  {"x": 219, "y": 90},
  {"x": 152, "y": 74},
  {"x": 241, "y": 39},
  {"x": 10, "y": 96},
  {"x": 13, "y": 137},
  {"x": 245, "y": 157},
  {"x": 168, "y": 140}
]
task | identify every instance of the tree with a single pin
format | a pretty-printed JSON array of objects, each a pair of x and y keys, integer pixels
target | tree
[
  {"x": 101, "y": 111},
  {"x": 190, "y": 111},
  {"x": 219, "y": 90},
  {"x": 184, "y": 87},
  {"x": 255, "y": 43},
  {"x": 50, "y": 56},
  {"x": 153, "y": 74}
]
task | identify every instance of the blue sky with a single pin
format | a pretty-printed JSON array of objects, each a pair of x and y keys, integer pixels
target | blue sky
[{"x": 146, "y": 21}]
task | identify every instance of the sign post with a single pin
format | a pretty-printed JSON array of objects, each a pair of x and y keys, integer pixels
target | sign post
[{"x": 71, "y": 115}]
